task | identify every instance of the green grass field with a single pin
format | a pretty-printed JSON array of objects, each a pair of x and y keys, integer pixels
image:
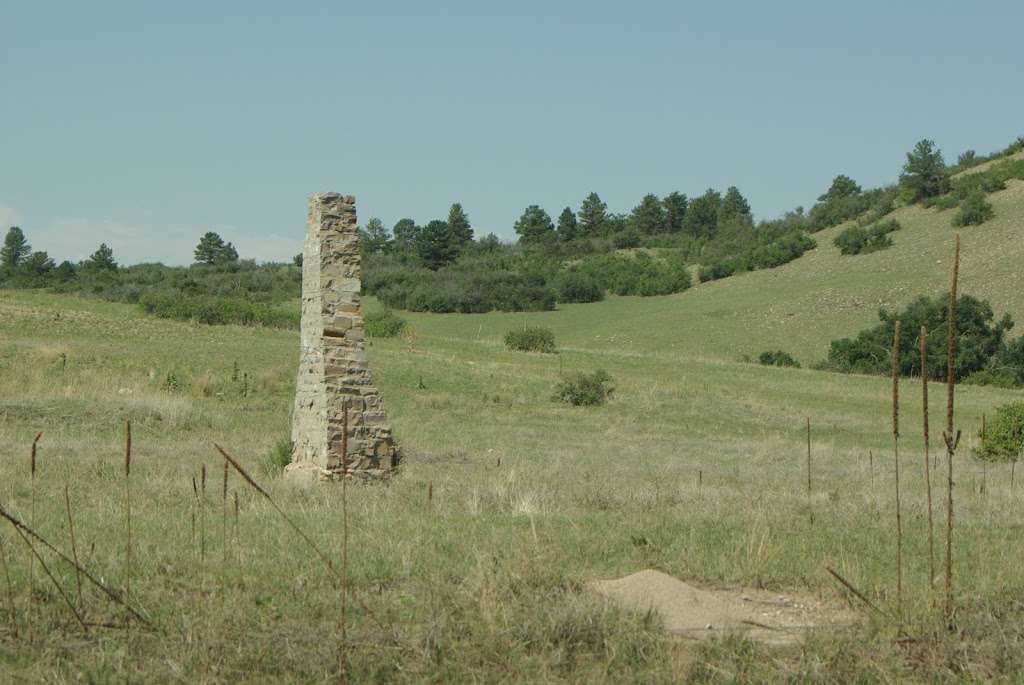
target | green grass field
[{"x": 531, "y": 500}]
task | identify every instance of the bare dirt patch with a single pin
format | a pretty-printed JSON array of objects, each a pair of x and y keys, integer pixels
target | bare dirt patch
[{"x": 694, "y": 613}]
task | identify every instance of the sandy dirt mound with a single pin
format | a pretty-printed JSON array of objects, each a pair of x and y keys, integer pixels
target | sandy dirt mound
[{"x": 694, "y": 613}]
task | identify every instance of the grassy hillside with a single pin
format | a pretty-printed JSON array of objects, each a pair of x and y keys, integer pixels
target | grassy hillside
[
  {"x": 799, "y": 307},
  {"x": 696, "y": 467}
]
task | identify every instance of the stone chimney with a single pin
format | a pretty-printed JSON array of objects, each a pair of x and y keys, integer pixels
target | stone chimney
[{"x": 333, "y": 371}]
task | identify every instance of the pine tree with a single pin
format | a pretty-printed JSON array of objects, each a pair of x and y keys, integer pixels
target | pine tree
[
  {"x": 675, "y": 209},
  {"x": 648, "y": 217},
  {"x": 701, "y": 219},
  {"x": 405, "y": 231},
  {"x": 101, "y": 260},
  {"x": 593, "y": 213},
  {"x": 568, "y": 229},
  {"x": 458, "y": 224},
  {"x": 209, "y": 248},
  {"x": 374, "y": 237},
  {"x": 733, "y": 206},
  {"x": 534, "y": 225},
  {"x": 15, "y": 249},
  {"x": 435, "y": 245},
  {"x": 213, "y": 250},
  {"x": 925, "y": 173},
  {"x": 842, "y": 186}
]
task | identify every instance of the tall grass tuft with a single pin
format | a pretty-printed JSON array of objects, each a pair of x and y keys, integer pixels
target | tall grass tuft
[
  {"x": 11, "y": 610},
  {"x": 32, "y": 520},
  {"x": 74, "y": 545},
  {"x": 927, "y": 455},
  {"x": 224, "y": 514},
  {"x": 896, "y": 459},
  {"x": 27, "y": 531},
  {"x": 128, "y": 510},
  {"x": 202, "y": 517},
  {"x": 951, "y": 440}
]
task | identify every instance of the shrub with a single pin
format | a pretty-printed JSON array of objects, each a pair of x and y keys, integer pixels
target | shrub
[
  {"x": 585, "y": 389},
  {"x": 636, "y": 275},
  {"x": 981, "y": 341},
  {"x": 576, "y": 286},
  {"x": 856, "y": 240},
  {"x": 778, "y": 358},
  {"x": 1003, "y": 439},
  {"x": 975, "y": 210},
  {"x": 217, "y": 310},
  {"x": 531, "y": 339},
  {"x": 383, "y": 324}
]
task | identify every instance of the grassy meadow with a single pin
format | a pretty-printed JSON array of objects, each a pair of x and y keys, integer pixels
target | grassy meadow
[{"x": 472, "y": 564}]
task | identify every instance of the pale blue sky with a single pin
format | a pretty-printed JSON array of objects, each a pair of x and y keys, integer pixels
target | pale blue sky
[{"x": 145, "y": 124}]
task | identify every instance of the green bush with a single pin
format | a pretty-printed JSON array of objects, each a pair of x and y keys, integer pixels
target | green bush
[
  {"x": 585, "y": 389},
  {"x": 638, "y": 274},
  {"x": 974, "y": 211},
  {"x": 576, "y": 286},
  {"x": 778, "y": 358},
  {"x": 981, "y": 342},
  {"x": 531, "y": 339},
  {"x": 383, "y": 324},
  {"x": 856, "y": 240},
  {"x": 217, "y": 310},
  {"x": 1003, "y": 439}
]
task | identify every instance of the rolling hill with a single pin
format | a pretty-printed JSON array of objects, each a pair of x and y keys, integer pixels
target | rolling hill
[{"x": 799, "y": 307}]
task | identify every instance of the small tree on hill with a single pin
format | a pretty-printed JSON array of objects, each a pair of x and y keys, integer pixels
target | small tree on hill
[
  {"x": 593, "y": 214},
  {"x": 458, "y": 224},
  {"x": 568, "y": 228},
  {"x": 101, "y": 260},
  {"x": 435, "y": 245},
  {"x": 925, "y": 173},
  {"x": 374, "y": 237},
  {"x": 15, "y": 249},
  {"x": 674, "y": 205},
  {"x": 213, "y": 250},
  {"x": 648, "y": 217},
  {"x": 733, "y": 206},
  {"x": 701, "y": 220},
  {"x": 405, "y": 232},
  {"x": 534, "y": 225},
  {"x": 842, "y": 186}
]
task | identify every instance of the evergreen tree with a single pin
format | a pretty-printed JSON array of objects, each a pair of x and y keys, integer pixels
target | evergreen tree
[
  {"x": 458, "y": 224},
  {"x": 675, "y": 209},
  {"x": 701, "y": 219},
  {"x": 36, "y": 266},
  {"x": 228, "y": 255},
  {"x": 405, "y": 232},
  {"x": 648, "y": 217},
  {"x": 842, "y": 186},
  {"x": 593, "y": 213},
  {"x": 925, "y": 173},
  {"x": 733, "y": 206},
  {"x": 15, "y": 249},
  {"x": 213, "y": 250},
  {"x": 64, "y": 272},
  {"x": 534, "y": 225},
  {"x": 435, "y": 245},
  {"x": 374, "y": 237},
  {"x": 101, "y": 260},
  {"x": 568, "y": 229}
]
